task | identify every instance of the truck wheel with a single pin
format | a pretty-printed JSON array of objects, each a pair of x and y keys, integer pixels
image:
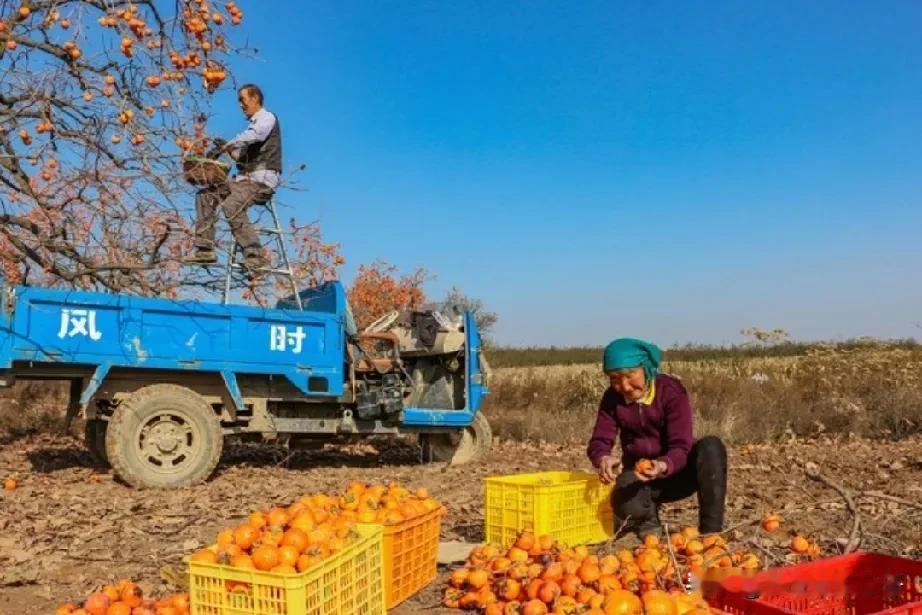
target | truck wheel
[
  {"x": 163, "y": 435},
  {"x": 94, "y": 438},
  {"x": 460, "y": 446}
]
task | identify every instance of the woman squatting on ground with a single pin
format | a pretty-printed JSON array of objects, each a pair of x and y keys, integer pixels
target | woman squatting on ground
[{"x": 652, "y": 415}]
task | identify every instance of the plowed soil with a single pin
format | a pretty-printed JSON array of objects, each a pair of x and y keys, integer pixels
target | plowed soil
[{"x": 70, "y": 526}]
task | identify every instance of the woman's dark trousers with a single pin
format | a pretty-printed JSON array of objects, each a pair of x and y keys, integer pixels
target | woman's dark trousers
[{"x": 636, "y": 504}]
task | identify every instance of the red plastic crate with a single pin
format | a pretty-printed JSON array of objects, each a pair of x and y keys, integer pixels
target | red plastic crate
[{"x": 856, "y": 584}]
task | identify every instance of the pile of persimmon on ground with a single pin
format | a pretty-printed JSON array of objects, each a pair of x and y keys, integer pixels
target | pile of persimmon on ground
[
  {"x": 296, "y": 537},
  {"x": 536, "y": 576},
  {"x": 126, "y": 598}
]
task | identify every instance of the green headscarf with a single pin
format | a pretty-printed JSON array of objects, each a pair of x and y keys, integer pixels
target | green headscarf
[{"x": 627, "y": 352}]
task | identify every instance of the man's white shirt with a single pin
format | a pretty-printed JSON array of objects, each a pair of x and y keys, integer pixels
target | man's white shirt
[{"x": 261, "y": 124}]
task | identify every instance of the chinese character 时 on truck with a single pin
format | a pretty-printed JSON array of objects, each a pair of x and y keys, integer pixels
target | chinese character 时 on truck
[{"x": 163, "y": 384}]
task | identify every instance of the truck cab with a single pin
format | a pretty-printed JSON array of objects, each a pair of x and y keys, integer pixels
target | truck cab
[{"x": 162, "y": 384}]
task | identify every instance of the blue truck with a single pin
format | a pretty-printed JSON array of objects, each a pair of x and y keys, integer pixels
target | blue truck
[{"x": 163, "y": 383}]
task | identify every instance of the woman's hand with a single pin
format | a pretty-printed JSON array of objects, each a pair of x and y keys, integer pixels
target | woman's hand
[
  {"x": 651, "y": 471},
  {"x": 608, "y": 469}
]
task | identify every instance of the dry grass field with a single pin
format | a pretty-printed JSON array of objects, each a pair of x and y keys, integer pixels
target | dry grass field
[{"x": 872, "y": 390}]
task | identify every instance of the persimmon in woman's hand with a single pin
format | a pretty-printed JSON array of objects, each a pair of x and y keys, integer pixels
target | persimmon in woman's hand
[{"x": 649, "y": 469}]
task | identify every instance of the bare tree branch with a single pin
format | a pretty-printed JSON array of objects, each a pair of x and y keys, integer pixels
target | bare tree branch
[{"x": 854, "y": 539}]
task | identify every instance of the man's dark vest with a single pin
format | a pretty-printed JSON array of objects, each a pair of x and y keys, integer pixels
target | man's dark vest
[{"x": 264, "y": 155}]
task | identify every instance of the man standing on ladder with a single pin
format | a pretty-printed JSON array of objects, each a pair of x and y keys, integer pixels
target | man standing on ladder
[{"x": 258, "y": 152}]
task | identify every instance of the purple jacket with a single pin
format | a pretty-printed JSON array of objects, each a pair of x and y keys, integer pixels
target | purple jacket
[{"x": 662, "y": 430}]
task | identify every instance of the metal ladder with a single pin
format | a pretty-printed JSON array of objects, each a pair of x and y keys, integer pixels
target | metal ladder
[{"x": 279, "y": 235}]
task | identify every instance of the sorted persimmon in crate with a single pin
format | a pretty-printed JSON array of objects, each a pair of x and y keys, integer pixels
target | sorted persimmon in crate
[
  {"x": 284, "y": 539},
  {"x": 312, "y": 557},
  {"x": 388, "y": 505},
  {"x": 298, "y": 538},
  {"x": 126, "y": 598},
  {"x": 412, "y": 522},
  {"x": 348, "y": 581}
]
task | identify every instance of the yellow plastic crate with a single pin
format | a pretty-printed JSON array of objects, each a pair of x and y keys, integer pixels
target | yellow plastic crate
[
  {"x": 350, "y": 582},
  {"x": 411, "y": 552},
  {"x": 574, "y": 507}
]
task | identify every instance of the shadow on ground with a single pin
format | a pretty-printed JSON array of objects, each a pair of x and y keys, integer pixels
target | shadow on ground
[{"x": 376, "y": 454}]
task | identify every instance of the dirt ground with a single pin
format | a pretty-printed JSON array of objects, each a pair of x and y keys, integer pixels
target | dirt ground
[{"x": 70, "y": 527}]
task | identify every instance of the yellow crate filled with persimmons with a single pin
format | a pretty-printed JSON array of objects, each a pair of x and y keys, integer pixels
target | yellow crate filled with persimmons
[
  {"x": 412, "y": 522},
  {"x": 310, "y": 558},
  {"x": 574, "y": 507}
]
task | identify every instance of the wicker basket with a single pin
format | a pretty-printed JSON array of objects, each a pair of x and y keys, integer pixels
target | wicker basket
[{"x": 204, "y": 171}]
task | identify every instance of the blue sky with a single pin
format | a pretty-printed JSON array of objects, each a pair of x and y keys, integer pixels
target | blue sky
[{"x": 675, "y": 171}]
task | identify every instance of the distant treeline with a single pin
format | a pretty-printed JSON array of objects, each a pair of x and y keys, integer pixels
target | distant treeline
[{"x": 500, "y": 356}]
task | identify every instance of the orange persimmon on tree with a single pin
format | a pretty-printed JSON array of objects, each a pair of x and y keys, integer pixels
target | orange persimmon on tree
[
  {"x": 99, "y": 103},
  {"x": 379, "y": 288}
]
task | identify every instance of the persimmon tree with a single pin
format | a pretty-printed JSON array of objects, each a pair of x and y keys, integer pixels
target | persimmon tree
[
  {"x": 100, "y": 100},
  {"x": 379, "y": 288}
]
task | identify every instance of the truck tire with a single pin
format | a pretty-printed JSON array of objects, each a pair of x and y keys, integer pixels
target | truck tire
[
  {"x": 163, "y": 436},
  {"x": 461, "y": 446},
  {"x": 94, "y": 438}
]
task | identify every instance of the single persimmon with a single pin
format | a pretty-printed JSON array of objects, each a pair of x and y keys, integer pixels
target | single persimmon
[
  {"x": 799, "y": 544},
  {"x": 771, "y": 522}
]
